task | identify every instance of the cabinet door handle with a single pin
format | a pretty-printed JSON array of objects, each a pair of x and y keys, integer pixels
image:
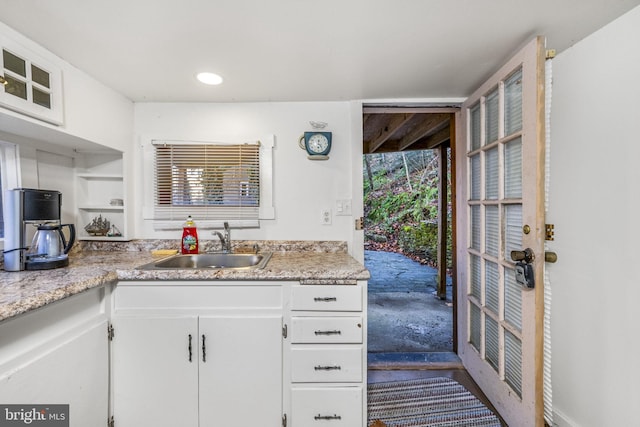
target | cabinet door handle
[
  {"x": 327, "y": 368},
  {"x": 204, "y": 349},
  {"x": 325, "y": 299},
  {"x": 334, "y": 332},
  {"x": 327, "y": 417},
  {"x": 190, "y": 349}
]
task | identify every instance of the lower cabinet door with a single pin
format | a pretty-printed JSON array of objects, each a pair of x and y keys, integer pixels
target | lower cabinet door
[
  {"x": 329, "y": 406},
  {"x": 155, "y": 371},
  {"x": 74, "y": 370},
  {"x": 240, "y": 371}
]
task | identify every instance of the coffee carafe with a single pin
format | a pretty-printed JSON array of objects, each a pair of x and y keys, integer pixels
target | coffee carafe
[{"x": 49, "y": 247}]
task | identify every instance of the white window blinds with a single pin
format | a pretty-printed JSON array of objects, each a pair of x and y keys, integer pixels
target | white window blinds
[{"x": 209, "y": 181}]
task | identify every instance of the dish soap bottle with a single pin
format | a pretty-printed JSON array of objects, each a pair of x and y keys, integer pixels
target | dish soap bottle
[{"x": 189, "y": 237}]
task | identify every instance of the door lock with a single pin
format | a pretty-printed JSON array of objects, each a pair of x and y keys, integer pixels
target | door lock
[{"x": 524, "y": 268}]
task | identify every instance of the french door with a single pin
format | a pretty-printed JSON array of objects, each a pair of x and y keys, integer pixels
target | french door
[{"x": 500, "y": 161}]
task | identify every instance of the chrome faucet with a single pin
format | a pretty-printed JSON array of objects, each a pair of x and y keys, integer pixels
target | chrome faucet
[{"x": 225, "y": 238}]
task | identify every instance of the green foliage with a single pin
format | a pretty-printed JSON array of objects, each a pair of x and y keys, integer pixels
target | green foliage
[
  {"x": 388, "y": 208},
  {"x": 380, "y": 179},
  {"x": 401, "y": 203},
  {"x": 421, "y": 239}
]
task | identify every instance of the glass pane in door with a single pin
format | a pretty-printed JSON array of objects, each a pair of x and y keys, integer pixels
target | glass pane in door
[
  {"x": 513, "y": 169},
  {"x": 492, "y": 342},
  {"x": 512, "y": 299},
  {"x": 475, "y": 178},
  {"x": 513, "y": 362},
  {"x": 475, "y": 127},
  {"x": 476, "y": 278},
  {"x": 475, "y": 325},
  {"x": 492, "y": 120},
  {"x": 512, "y": 229},
  {"x": 492, "y": 286},
  {"x": 491, "y": 172},
  {"x": 513, "y": 103},
  {"x": 492, "y": 230}
]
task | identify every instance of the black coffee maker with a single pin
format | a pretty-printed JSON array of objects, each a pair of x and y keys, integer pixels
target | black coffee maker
[{"x": 25, "y": 208}]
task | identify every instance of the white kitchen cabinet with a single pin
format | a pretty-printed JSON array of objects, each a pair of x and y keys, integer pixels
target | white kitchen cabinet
[
  {"x": 59, "y": 355},
  {"x": 197, "y": 354},
  {"x": 155, "y": 383},
  {"x": 241, "y": 375},
  {"x": 328, "y": 366},
  {"x": 33, "y": 83}
]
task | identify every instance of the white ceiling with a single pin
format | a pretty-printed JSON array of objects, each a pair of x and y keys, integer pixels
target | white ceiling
[{"x": 299, "y": 50}]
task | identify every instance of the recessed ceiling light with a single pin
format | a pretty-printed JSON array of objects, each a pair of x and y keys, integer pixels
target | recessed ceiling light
[{"x": 209, "y": 78}]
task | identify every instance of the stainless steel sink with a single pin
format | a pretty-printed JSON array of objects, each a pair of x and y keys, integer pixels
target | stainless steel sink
[{"x": 210, "y": 261}]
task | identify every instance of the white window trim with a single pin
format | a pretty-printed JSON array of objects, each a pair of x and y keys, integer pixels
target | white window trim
[{"x": 266, "y": 210}]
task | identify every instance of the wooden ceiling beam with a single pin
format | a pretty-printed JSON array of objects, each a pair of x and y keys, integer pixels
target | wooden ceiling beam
[
  {"x": 432, "y": 141},
  {"x": 428, "y": 127},
  {"x": 397, "y": 122}
]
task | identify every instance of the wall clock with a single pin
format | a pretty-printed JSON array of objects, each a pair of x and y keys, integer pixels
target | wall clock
[{"x": 317, "y": 144}]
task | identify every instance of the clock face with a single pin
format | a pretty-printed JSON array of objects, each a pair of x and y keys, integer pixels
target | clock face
[{"x": 318, "y": 143}]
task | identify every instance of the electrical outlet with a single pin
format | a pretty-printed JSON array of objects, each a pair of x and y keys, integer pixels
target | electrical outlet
[{"x": 325, "y": 217}]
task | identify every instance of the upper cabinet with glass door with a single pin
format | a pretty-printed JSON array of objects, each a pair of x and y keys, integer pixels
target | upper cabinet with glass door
[{"x": 29, "y": 84}]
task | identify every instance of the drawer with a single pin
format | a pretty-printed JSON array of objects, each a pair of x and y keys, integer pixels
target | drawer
[
  {"x": 332, "y": 406},
  {"x": 327, "y": 298},
  {"x": 326, "y": 330},
  {"x": 322, "y": 364}
]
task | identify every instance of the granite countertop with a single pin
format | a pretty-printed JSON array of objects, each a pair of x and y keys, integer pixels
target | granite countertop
[{"x": 95, "y": 265}]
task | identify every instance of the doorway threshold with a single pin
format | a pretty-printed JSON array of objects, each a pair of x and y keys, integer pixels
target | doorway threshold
[{"x": 414, "y": 360}]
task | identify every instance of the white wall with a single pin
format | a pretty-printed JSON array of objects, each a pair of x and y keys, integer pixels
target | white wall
[
  {"x": 594, "y": 204},
  {"x": 301, "y": 187}
]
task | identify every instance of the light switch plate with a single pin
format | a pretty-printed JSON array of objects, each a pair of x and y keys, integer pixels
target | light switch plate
[{"x": 343, "y": 207}]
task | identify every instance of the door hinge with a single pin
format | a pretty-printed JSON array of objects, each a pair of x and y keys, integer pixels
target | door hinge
[
  {"x": 284, "y": 420},
  {"x": 549, "y": 231},
  {"x": 110, "y": 422},
  {"x": 360, "y": 223},
  {"x": 110, "y": 332},
  {"x": 285, "y": 331}
]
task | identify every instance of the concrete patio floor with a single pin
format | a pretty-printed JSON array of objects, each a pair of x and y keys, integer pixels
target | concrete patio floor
[{"x": 404, "y": 313}]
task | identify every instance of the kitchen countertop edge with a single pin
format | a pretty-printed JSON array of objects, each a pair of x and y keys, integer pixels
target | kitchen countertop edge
[{"x": 25, "y": 291}]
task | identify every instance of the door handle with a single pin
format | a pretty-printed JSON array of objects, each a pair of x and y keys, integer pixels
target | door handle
[{"x": 526, "y": 255}]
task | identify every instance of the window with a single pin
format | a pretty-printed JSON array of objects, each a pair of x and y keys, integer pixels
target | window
[{"x": 212, "y": 182}]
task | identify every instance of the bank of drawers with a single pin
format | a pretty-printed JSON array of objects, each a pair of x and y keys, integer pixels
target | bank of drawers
[{"x": 327, "y": 372}]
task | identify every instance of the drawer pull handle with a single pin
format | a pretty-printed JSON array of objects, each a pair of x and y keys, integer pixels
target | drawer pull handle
[
  {"x": 335, "y": 332},
  {"x": 327, "y": 417},
  {"x": 190, "y": 349},
  {"x": 325, "y": 299},
  {"x": 327, "y": 368}
]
